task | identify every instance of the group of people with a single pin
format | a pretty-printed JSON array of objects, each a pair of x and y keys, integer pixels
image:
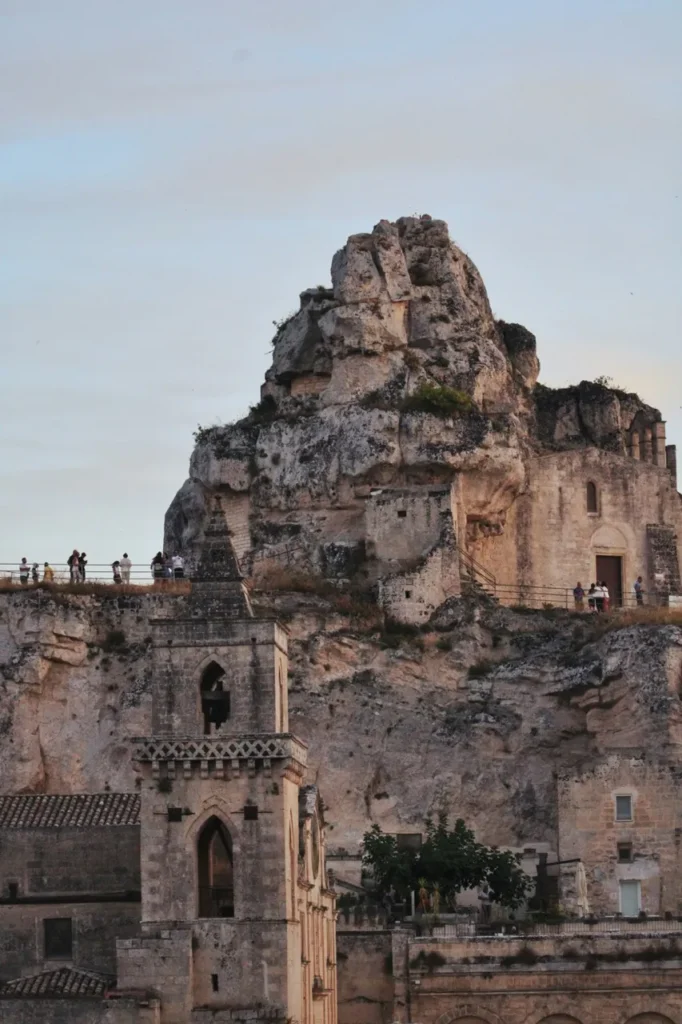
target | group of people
[
  {"x": 28, "y": 571},
  {"x": 76, "y": 562},
  {"x": 165, "y": 568},
  {"x": 598, "y": 597}
]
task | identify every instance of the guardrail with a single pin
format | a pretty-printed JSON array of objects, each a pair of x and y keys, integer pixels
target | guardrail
[
  {"x": 95, "y": 572},
  {"x": 548, "y": 597}
]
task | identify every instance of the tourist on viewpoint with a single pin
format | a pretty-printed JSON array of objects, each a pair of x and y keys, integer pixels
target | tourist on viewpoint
[
  {"x": 178, "y": 564},
  {"x": 48, "y": 573},
  {"x": 116, "y": 569},
  {"x": 158, "y": 567},
  {"x": 126, "y": 566},
  {"x": 24, "y": 572},
  {"x": 82, "y": 562},
  {"x": 74, "y": 570},
  {"x": 35, "y": 575},
  {"x": 579, "y": 597}
]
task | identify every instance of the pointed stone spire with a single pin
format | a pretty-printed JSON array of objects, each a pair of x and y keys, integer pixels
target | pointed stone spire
[
  {"x": 217, "y": 557},
  {"x": 218, "y": 584}
]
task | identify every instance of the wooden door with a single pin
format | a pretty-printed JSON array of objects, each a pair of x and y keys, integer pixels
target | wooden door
[{"x": 610, "y": 571}]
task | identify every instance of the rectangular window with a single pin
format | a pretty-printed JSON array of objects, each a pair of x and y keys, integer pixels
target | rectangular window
[
  {"x": 58, "y": 938},
  {"x": 408, "y": 593},
  {"x": 630, "y": 898},
  {"x": 402, "y": 514},
  {"x": 250, "y": 812},
  {"x": 625, "y": 853},
  {"x": 408, "y": 840},
  {"x": 623, "y": 808},
  {"x": 175, "y": 813}
]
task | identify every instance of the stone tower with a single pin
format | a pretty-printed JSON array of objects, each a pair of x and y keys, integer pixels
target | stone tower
[{"x": 223, "y": 858}]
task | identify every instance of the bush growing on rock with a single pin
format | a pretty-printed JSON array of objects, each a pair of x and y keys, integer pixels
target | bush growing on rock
[{"x": 439, "y": 400}]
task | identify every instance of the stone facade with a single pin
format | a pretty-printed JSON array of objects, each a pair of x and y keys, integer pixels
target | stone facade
[{"x": 623, "y": 821}]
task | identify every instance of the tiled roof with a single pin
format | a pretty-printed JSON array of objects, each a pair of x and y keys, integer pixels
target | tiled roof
[
  {"x": 77, "y": 810},
  {"x": 64, "y": 982}
]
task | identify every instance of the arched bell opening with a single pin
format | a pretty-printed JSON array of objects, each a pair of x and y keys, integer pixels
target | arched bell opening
[
  {"x": 215, "y": 870},
  {"x": 215, "y": 698}
]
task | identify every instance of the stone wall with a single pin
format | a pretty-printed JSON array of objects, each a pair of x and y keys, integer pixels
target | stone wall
[
  {"x": 59, "y": 861},
  {"x": 588, "y": 829},
  {"x": 95, "y": 928},
  {"x": 537, "y": 980},
  {"x": 365, "y": 976},
  {"x": 78, "y": 1011}
]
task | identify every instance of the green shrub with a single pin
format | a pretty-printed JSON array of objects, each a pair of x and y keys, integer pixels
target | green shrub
[
  {"x": 439, "y": 400},
  {"x": 264, "y": 411}
]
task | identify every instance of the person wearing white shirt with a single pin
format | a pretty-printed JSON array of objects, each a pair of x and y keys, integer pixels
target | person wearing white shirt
[
  {"x": 178, "y": 564},
  {"x": 126, "y": 566}
]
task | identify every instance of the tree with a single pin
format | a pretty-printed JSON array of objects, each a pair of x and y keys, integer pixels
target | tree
[{"x": 448, "y": 861}]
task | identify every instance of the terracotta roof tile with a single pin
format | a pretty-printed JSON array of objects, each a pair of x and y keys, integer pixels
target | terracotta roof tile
[
  {"x": 63, "y": 982},
  {"x": 76, "y": 810}
]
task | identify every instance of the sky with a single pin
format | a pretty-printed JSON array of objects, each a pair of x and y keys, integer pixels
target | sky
[{"x": 173, "y": 173}]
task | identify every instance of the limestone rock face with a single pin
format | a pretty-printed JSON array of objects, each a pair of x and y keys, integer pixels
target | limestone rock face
[{"x": 474, "y": 718}]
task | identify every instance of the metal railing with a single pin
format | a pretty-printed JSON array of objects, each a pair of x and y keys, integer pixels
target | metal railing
[{"x": 95, "y": 572}]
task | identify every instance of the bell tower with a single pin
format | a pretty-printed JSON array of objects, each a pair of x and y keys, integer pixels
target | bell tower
[{"x": 221, "y": 776}]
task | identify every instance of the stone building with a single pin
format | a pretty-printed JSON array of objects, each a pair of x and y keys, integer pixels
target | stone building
[{"x": 204, "y": 896}]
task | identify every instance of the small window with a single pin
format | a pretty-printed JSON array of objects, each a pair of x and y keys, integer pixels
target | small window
[
  {"x": 408, "y": 840},
  {"x": 625, "y": 853},
  {"x": 592, "y": 498},
  {"x": 13, "y": 889},
  {"x": 623, "y": 808},
  {"x": 175, "y": 813},
  {"x": 58, "y": 938},
  {"x": 402, "y": 514},
  {"x": 250, "y": 812},
  {"x": 408, "y": 593},
  {"x": 214, "y": 982}
]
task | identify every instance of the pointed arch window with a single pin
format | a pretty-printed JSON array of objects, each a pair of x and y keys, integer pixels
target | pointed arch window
[
  {"x": 216, "y": 870},
  {"x": 215, "y": 698},
  {"x": 592, "y": 498}
]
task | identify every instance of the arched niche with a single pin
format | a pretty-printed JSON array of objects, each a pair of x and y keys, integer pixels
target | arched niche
[
  {"x": 559, "y": 1018},
  {"x": 215, "y": 697},
  {"x": 649, "y": 1018},
  {"x": 215, "y": 870},
  {"x": 609, "y": 538}
]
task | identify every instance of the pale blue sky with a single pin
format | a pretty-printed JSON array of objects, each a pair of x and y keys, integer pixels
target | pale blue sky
[{"x": 174, "y": 172}]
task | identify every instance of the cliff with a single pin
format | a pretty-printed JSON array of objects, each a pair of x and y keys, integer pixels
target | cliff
[{"x": 474, "y": 715}]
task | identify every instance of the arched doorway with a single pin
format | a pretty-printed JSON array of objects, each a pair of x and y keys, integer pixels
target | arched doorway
[
  {"x": 215, "y": 870},
  {"x": 649, "y": 1018},
  {"x": 215, "y": 698}
]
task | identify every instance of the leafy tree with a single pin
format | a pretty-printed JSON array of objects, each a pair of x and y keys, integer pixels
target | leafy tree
[{"x": 448, "y": 861}]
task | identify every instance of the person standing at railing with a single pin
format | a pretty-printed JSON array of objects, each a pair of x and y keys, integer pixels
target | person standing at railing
[
  {"x": 126, "y": 565},
  {"x": 157, "y": 567},
  {"x": 599, "y": 597},
  {"x": 592, "y": 598},
  {"x": 579, "y": 597},
  {"x": 82, "y": 562},
  {"x": 24, "y": 572},
  {"x": 72, "y": 562},
  {"x": 48, "y": 573},
  {"x": 606, "y": 597},
  {"x": 178, "y": 564},
  {"x": 116, "y": 569},
  {"x": 35, "y": 578},
  {"x": 639, "y": 590}
]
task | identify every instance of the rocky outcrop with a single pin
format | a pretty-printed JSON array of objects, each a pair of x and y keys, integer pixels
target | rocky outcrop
[{"x": 346, "y": 403}]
